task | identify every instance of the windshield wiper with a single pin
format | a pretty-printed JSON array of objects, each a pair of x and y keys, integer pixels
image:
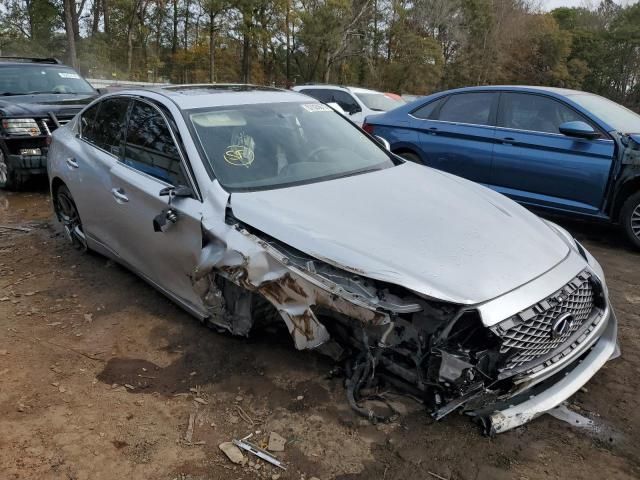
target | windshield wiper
[{"x": 7, "y": 94}]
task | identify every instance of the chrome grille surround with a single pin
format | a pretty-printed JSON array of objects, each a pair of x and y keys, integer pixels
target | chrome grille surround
[{"x": 529, "y": 336}]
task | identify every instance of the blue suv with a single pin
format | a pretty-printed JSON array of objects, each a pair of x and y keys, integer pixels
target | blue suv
[{"x": 558, "y": 150}]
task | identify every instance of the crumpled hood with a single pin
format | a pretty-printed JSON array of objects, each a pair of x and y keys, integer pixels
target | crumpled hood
[
  {"x": 41, "y": 104},
  {"x": 429, "y": 231}
]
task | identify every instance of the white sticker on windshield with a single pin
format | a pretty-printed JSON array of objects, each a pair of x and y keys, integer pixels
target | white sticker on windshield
[
  {"x": 316, "y": 107},
  {"x": 68, "y": 75}
]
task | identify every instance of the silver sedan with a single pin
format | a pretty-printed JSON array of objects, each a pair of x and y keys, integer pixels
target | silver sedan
[{"x": 249, "y": 205}]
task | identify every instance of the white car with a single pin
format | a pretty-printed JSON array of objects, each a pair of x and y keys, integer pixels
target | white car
[{"x": 357, "y": 103}]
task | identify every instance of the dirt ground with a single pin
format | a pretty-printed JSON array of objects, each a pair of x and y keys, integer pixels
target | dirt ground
[{"x": 100, "y": 375}]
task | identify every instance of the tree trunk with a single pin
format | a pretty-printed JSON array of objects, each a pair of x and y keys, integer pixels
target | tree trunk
[
  {"x": 288, "y": 56},
  {"x": 96, "y": 18},
  {"x": 246, "y": 47},
  {"x": 69, "y": 7},
  {"x": 212, "y": 48},
  {"x": 174, "y": 37},
  {"x": 105, "y": 16}
]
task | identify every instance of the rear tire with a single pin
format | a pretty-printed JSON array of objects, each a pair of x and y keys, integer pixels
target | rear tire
[
  {"x": 9, "y": 178},
  {"x": 630, "y": 218},
  {"x": 410, "y": 156},
  {"x": 67, "y": 213}
]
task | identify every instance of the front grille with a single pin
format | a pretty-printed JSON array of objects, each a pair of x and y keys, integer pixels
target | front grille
[
  {"x": 530, "y": 335},
  {"x": 48, "y": 126}
]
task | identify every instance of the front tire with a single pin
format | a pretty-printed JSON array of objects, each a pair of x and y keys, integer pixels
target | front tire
[
  {"x": 67, "y": 213},
  {"x": 9, "y": 178},
  {"x": 630, "y": 218}
]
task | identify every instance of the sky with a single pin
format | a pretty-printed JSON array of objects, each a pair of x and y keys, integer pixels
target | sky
[{"x": 551, "y": 4}]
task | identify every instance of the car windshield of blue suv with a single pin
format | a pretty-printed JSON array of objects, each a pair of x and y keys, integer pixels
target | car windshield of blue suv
[
  {"x": 262, "y": 146},
  {"x": 620, "y": 118},
  {"x": 40, "y": 79}
]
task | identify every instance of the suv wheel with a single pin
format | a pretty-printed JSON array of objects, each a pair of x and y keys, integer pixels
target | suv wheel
[
  {"x": 68, "y": 215},
  {"x": 9, "y": 180},
  {"x": 630, "y": 218}
]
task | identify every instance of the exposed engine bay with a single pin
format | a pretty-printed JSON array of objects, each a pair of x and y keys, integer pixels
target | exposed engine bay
[{"x": 383, "y": 335}]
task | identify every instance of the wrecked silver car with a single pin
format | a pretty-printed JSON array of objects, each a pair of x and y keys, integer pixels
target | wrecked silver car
[{"x": 248, "y": 205}]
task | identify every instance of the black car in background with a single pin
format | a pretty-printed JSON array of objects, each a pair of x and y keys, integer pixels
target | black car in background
[{"x": 37, "y": 95}]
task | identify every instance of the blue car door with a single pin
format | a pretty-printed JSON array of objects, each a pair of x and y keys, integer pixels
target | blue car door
[
  {"x": 456, "y": 134},
  {"x": 537, "y": 165}
]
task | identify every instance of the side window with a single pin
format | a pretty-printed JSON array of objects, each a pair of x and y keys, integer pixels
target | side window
[
  {"x": 320, "y": 95},
  {"x": 149, "y": 146},
  {"x": 534, "y": 113},
  {"x": 346, "y": 101},
  {"x": 427, "y": 111},
  {"x": 87, "y": 123},
  {"x": 474, "y": 108},
  {"x": 107, "y": 131}
]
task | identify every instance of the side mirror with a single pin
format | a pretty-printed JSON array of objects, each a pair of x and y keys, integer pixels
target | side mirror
[
  {"x": 167, "y": 217},
  {"x": 176, "y": 192},
  {"x": 578, "y": 129},
  {"x": 354, "y": 109},
  {"x": 384, "y": 142},
  {"x": 102, "y": 90}
]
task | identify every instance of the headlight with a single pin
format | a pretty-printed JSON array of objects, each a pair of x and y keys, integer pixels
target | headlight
[{"x": 20, "y": 126}]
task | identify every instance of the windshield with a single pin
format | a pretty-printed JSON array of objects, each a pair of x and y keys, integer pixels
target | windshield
[
  {"x": 379, "y": 101},
  {"x": 620, "y": 118},
  {"x": 31, "y": 79},
  {"x": 264, "y": 146}
]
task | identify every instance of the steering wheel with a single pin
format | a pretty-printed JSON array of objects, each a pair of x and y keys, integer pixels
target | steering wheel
[{"x": 316, "y": 151}]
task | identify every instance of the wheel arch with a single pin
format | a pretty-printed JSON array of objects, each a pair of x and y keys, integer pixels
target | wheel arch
[
  {"x": 400, "y": 149},
  {"x": 628, "y": 188}
]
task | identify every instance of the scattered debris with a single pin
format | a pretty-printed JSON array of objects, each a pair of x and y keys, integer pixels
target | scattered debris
[
  {"x": 561, "y": 412},
  {"x": 233, "y": 453},
  {"x": 129, "y": 386},
  {"x": 258, "y": 452},
  {"x": 439, "y": 477},
  {"x": 4, "y": 299},
  {"x": 30, "y": 294},
  {"x": 276, "y": 442},
  {"x": 188, "y": 437},
  {"x": 244, "y": 415},
  {"x": 16, "y": 228},
  {"x": 54, "y": 324},
  {"x": 300, "y": 398},
  {"x": 88, "y": 317},
  {"x": 202, "y": 401}
]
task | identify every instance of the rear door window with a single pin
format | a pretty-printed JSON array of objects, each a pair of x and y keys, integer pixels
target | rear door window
[
  {"x": 150, "y": 147},
  {"x": 345, "y": 100},
  {"x": 535, "y": 113},
  {"x": 473, "y": 108},
  {"x": 319, "y": 94},
  {"x": 107, "y": 129},
  {"x": 429, "y": 110}
]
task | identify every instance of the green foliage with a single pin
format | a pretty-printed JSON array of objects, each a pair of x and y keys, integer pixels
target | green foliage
[{"x": 405, "y": 46}]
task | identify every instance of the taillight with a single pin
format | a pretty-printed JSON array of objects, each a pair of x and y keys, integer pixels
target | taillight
[{"x": 367, "y": 127}]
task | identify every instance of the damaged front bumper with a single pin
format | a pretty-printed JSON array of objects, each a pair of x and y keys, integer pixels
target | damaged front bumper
[{"x": 549, "y": 393}]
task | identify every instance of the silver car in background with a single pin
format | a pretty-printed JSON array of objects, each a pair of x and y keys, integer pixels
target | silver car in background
[{"x": 249, "y": 205}]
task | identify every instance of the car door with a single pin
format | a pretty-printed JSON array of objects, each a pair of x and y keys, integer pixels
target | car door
[
  {"x": 456, "y": 134},
  {"x": 151, "y": 161},
  {"x": 89, "y": 162},
  {"x": 535, "y": 164}
]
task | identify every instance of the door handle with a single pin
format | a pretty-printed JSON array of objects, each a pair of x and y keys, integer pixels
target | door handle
[
  {"x": 119, "y": 195},
  {"x": 507, "y": 140},
  {"x": 433, "y": 130},
  {"x": 71, "y": 163}
]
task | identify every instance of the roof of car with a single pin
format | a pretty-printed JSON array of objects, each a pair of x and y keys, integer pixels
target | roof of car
[
  {"x": 335, "y": 87},
  {"x": 189, "y": 97},
  {"x": 529, "y": 88}
]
